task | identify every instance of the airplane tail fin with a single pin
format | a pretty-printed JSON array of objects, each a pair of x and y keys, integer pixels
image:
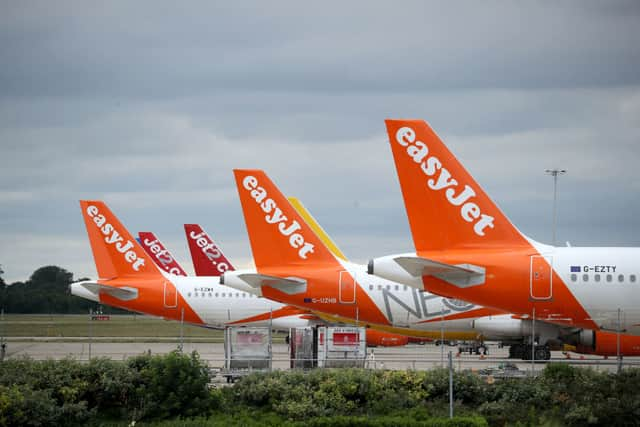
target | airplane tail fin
[
  {"x": 278, "y": 234},
  {"x": 159, "y": 253},
  {"x": 447, "y": 209},
  {"x": 115, "y": 251},
  {"x": 208, "y": 259}
]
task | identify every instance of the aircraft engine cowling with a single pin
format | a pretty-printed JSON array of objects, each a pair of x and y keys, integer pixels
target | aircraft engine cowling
[
  {"x": 506, "y": 327},
  {"x": 584, "y": 340},
  {"x": 501, "y": 326},
  {"x": 604, "y": 343},
  {"x": 377, "y": 338}
]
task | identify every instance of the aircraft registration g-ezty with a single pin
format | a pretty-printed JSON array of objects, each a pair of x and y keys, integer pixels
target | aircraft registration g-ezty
[
  {"x": 295, "y": 267},
  {"x": 466, "y": 248}
]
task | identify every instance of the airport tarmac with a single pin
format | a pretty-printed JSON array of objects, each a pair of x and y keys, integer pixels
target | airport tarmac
[{"x": 408, "y": 357}]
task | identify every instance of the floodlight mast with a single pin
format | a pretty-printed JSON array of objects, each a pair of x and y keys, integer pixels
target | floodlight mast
[{"x": 554, "y": 173}]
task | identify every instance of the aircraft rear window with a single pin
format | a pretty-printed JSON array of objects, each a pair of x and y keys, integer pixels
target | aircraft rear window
[
  {"x": 632, "y": 278},
  {"x": 620, "y": 278},
  {"x": 370, "y": 287},
  {"x": 574, "y": 277},
  {"x": 585, "y": 277},
  {"x": 597, "y": 277},
  {"x": 609, "y": 277}
]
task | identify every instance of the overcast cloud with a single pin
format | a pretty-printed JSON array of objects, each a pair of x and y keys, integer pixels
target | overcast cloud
[{"x": 149, "y": 105}]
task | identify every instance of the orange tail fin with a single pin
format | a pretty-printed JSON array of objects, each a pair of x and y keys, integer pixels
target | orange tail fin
[
  {"x": 115, "y": 251},
  {"x": 446, "y": 207},
  {"x": 279, "y": 236}
]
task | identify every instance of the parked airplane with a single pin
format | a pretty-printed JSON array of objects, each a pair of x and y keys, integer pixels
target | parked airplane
[
  {"x": 207, "y": 260},
  {"x": 128, "y": 279},
  {"x": 295, "y": 267},
  {"x": 466, "y": 248}
]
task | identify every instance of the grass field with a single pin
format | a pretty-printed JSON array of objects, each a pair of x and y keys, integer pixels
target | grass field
[{"x": 118, "y": 328}]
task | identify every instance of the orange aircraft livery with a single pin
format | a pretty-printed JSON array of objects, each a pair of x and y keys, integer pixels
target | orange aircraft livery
[{"x": 466, "y": 248}]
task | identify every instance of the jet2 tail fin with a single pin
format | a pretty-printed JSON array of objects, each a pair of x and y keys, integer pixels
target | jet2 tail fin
[
  {"x": 447, "y": 209},
  {"x": 278, "y": 234},
  {"x": 208, "y": 259},
  {"x": 159, "y": 253},
  {"x": 115, "y": 251}
]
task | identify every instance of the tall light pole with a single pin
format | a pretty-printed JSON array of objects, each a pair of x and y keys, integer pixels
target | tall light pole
[{"x": 554, "y": 173}]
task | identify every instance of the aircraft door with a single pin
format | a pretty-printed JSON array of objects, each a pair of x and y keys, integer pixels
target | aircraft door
[
  {"x": 541, "y": 277},
  {"x": 170, "y": 295},
  {"x": 347, "y": 288}
]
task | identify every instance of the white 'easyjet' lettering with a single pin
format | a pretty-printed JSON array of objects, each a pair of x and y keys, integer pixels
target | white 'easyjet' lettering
[
  {"x": 419, "y": 153},
  {"x": 112, "y": 237},
  {"x": 276, "y": 216},
  {"x": 209, "y": 249}
]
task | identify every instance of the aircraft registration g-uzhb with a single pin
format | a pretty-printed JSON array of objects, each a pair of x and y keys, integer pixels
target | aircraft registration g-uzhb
[
  {"x": 295, "y": 266},
  {"x": 466, "y": 248}
]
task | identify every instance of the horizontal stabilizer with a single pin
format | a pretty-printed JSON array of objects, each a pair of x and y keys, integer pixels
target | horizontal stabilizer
[
  {"x": 288, "y": 285},
  {"x": 460, "y": 275},
  {"x": 121, "y": 293}
]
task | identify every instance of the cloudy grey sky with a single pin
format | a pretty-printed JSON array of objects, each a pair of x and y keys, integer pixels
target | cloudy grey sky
[{"x": 148, "y": 105}]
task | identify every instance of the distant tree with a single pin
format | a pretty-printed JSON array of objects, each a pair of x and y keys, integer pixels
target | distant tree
[{"x": 46, "y": 291}]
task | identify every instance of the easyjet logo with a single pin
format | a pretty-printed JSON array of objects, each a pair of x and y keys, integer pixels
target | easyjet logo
[
  {"x": 277, "y": 218},
  {"x": 209, "y": 249},
  {"x": 430, "y": 166},
  {"x": 112, "y": 237}
]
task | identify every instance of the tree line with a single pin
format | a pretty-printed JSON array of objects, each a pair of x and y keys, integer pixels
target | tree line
[{"x": 46, "y": 292}]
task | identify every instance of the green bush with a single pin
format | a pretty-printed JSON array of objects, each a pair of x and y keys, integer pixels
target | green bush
[
  {"x": 327, "y": 393},
  {"x": 172, "y": 385},
  {"x": 175, "y": 387},
  {"x": 70, "y": 392},
  {"x": 22, "y": 406},
  {"x": 393, "y": 421}
]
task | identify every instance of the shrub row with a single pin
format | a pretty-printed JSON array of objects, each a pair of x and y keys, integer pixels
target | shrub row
[
  {"x": 562, "y": 394},
  {"x": 68, "y": 392},
  {"x": 175, "y": 387}
]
